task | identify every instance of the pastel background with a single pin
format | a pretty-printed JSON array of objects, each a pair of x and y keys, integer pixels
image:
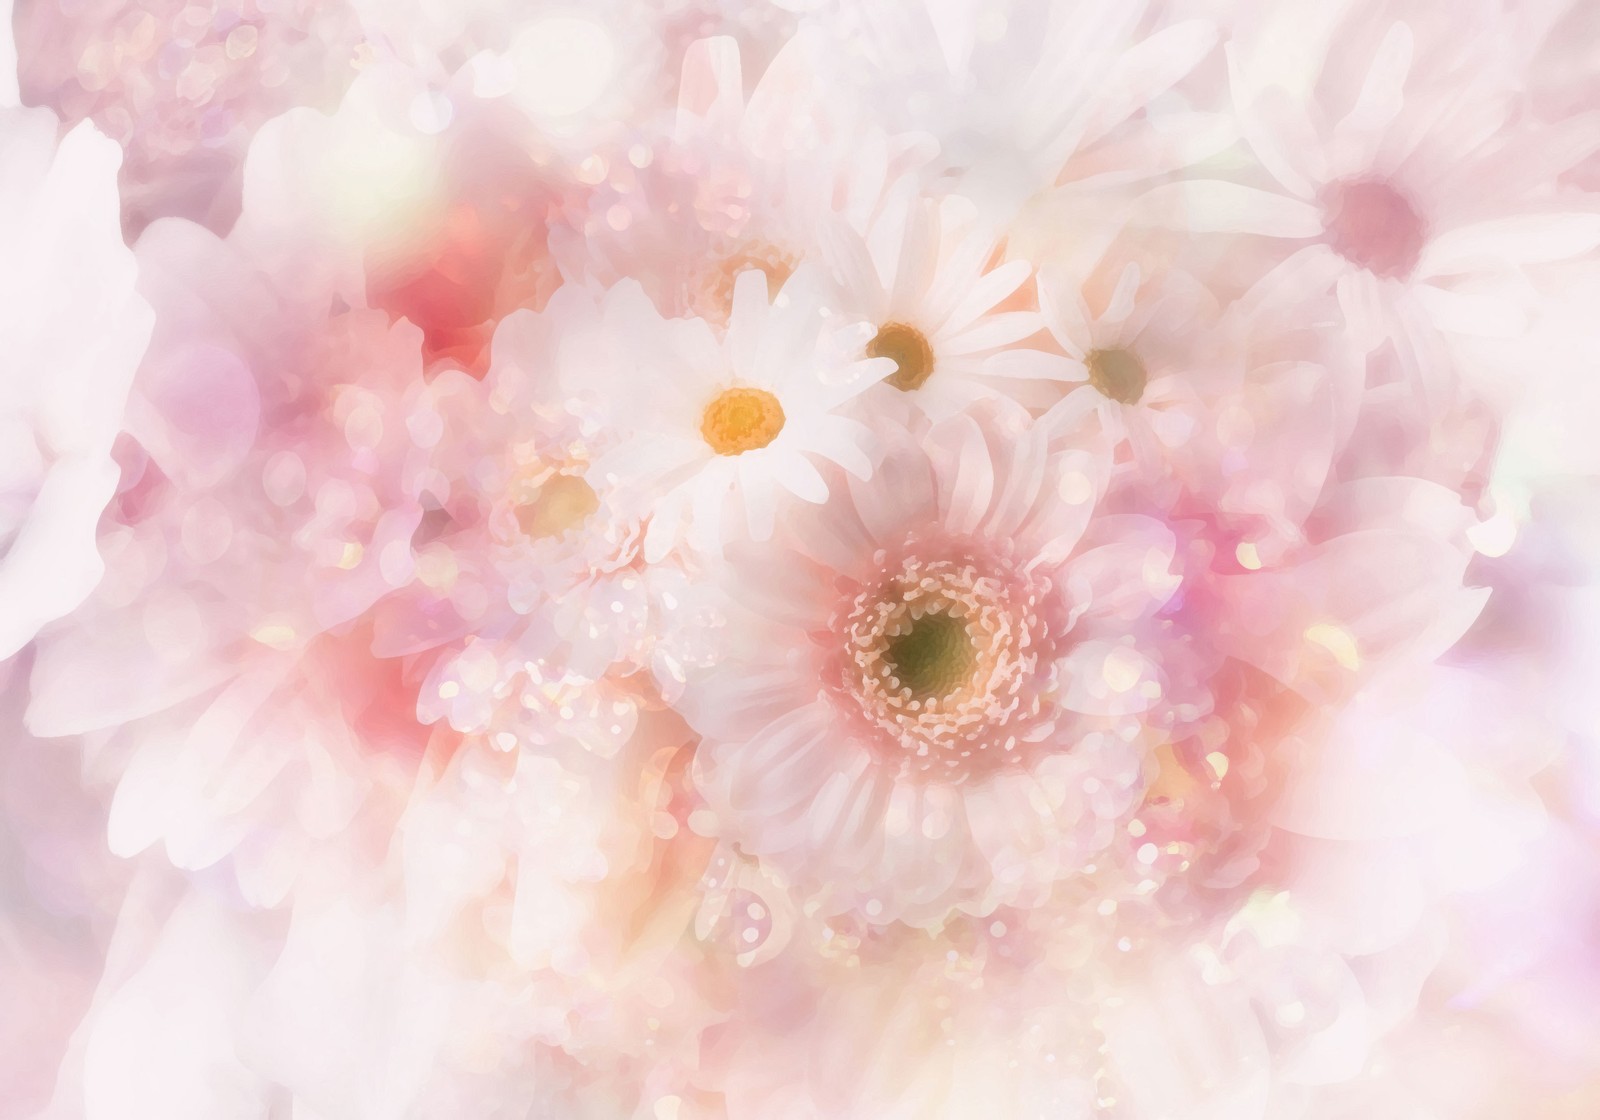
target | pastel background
[{"x": 799, "y": 559}]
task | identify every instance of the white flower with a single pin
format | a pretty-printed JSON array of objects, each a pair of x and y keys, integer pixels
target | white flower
[
  {"x": 1023, "y": 95},
  {"x": 693, "y": 423},
  {"x": 1405, "y": 180},
  {"x": 74, "y": 330},
  {"x": 922, "y": 275},
  {"x": 936, "y": 699}
]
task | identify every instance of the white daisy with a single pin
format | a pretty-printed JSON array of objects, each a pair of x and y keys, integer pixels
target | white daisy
[
  {"x": 924, "y": 275},
  {"x": 1408, "y": 179},
  {"x": 693, "y": 423}
]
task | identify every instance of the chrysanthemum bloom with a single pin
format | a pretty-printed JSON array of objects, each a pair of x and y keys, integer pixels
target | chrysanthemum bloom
[
  {"x": 67, "y": 306},
  {"x": 701, "y": 434},
  {"x": 932, "y": 701}
]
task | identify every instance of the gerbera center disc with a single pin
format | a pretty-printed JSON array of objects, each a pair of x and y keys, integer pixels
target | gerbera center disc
[
  {"x": 934, "y": 657},
  {"x": 941, "y": 660}
]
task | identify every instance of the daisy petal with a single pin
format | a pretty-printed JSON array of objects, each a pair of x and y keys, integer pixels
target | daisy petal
[
  {"x": 1214, "y": 206},
  {"x": 1525, "y": 239}
]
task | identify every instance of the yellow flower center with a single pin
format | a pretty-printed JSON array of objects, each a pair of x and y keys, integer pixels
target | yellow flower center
[
  {"x": 1118, "y": 374},
  {"x": 741, "y": 420},
  {"x": 908, "y": 347},
  {"x": 711, "y": 294},
  {"x": 560, "y": 503}
]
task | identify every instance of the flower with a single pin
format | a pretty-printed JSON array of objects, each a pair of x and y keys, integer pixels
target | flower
[
  {"x": 921, "y": 275},
  {"x": 223, "y": 679},
  {"x": 74, "y": 331},
  {"x": 931, "y": 702},
  {"x": 689, "y": 420},
  {"x": 1409, "y": 191}
]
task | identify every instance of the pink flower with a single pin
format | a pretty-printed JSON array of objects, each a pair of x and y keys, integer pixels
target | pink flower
[{"x": 932, "y": 701}]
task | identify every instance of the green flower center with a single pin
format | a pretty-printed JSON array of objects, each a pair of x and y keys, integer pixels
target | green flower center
[{"x": 934, "y": 657}]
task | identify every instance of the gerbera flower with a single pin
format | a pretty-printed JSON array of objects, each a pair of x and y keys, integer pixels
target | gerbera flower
[
  {"x": 932, "y": 702},
  {"x": 692, "y": 423}
]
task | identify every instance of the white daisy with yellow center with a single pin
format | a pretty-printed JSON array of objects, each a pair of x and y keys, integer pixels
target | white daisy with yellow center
[
  {"x": 703, "y": 432},
  {"x": 924, "y": 274}
]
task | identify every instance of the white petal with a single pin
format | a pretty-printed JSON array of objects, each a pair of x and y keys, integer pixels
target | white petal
[
  {"x": 1361, "y": 300},
  {"x": 1214, "y": 206},
  {"x": 1524, "y": 239},
  {"x": 1477, "y": 314},
  {"x": 1034, "y": 365},
  {"x": 966, "y": 476},
  {"x": 991, "y": 333},
  {"x": 1381, "y": 98},
  {"x": 798, "y": 476}
]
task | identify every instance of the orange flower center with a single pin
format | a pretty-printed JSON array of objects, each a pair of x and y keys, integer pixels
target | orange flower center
[
  {"x": 560, "y": 503},
  {"x": 741, "y": 420},
  {"x": 908, "y": 347}
]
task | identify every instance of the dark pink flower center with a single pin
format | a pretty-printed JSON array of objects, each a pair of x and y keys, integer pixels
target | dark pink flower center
[{"x": 1373, "y": 225}]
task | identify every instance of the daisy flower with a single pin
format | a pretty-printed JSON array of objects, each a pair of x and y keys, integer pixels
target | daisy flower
[
  {"x": 1402, "y": 181},
  {"x": 518, "y": 546},
  {"x": 1237, "y": 408},
  {"x": 923, "y": 275},
  {"x": 1139, "y": 352},
  {"x": 932, "y": 701},
  {"x": 693, "y": 424}
]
